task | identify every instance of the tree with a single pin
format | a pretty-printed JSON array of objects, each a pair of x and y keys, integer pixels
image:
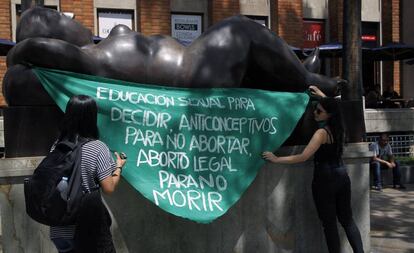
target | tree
[{"x": 352, "y": 71}]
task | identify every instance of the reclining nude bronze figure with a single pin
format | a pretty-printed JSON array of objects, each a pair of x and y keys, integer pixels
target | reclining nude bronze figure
[{"x": 234, "y": 53}]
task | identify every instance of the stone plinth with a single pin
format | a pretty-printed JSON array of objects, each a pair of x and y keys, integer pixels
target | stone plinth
[{"x": 275, "y": 214}]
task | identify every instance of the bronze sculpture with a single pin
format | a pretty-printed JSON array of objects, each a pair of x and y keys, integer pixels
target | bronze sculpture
[{"x": 236, "y": 52}]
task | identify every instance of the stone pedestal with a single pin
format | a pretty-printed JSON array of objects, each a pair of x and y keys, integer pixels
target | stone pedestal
[
  {"x": 30, "y": 130},
  {"x": 275, "y": 214}
]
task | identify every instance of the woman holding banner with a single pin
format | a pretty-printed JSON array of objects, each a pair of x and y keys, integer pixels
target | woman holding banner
[
  {"x": 331, "y": 186},
  {"x": 98, "y": 169}
]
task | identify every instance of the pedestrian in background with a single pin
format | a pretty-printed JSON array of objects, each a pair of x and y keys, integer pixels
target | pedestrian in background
[{"x": 383, "y": 158}]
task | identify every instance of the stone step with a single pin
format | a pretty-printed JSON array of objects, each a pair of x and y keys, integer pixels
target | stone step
[{"x": 407, "y": 175}]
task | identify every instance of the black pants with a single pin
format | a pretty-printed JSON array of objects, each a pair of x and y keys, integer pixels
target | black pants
[
  {"x": 93, "y": 234},
  {"x": 331, "y": 190}
]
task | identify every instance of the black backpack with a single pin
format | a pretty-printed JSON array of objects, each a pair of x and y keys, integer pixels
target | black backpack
[{"x": 44, "y": 203}]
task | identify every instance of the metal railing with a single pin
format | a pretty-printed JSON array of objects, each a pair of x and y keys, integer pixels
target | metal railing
[{"x": 401, "y": 144}]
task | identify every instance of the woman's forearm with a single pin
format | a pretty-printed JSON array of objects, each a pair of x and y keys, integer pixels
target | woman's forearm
[
  {"x": 116, "y": 176},
  {"x": 109, "y": 184},
  {"x": 310, "y": 149},
  {"x": 299, "y": 158}
]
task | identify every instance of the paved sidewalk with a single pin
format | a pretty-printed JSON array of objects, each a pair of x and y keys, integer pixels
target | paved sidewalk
[{"x": 392, "y": 220}]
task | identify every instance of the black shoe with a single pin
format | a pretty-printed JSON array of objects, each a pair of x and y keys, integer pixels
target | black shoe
[
  {"x": 400, "y": 186},
  {"x": 378, "y": 188}
]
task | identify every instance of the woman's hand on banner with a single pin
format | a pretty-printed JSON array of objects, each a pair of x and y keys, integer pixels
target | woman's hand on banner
[
  {"x": 269, "y": 156},
  {"x": 316, "y": 91},
  {"x": 120, "y": 159}
]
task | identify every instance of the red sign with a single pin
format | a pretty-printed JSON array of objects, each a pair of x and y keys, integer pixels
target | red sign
[
  {"x": 314, "y": 33},
  {"x": 369, "y": 37}
]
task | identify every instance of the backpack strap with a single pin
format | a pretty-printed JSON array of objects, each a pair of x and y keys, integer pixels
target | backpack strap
[
  {"x": 75, "y": 181},
  {"x": 72, "y": 145},
  {"x": 80, "y": 141}
]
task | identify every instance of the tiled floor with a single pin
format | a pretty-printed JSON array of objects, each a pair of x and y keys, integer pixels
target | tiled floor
[{"x": 392, "y": 220}]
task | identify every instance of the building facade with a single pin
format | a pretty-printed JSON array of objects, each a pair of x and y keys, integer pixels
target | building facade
[{"x": 301, "y": 23}]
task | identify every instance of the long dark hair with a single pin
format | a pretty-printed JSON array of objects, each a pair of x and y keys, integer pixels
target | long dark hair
[
  {"x": 80, "y": 119},
  {"x": 335, "y": 122}
]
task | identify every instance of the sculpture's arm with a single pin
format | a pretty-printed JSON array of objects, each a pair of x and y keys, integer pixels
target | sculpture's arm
[{"x": 52, "y": 53}]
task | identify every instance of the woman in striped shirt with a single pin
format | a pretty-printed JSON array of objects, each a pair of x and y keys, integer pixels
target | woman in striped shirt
[{"x": 98, "y": 168}]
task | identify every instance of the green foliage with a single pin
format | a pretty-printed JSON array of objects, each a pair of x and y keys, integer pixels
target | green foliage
[{"x": 406, "y": 160}]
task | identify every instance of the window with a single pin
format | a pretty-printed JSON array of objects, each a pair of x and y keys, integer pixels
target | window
[
  {"x": 17, "y": 12},
  {"x": 263, "y": 20},
  {"x": 109, "y": 18},
  {"x": 186, "y": 28}
]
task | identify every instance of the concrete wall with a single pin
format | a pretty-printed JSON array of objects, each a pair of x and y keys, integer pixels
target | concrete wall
[
  {"x": 255, "y": 7},
  {"x": 407, "y": 176},
  {"x": 371, "y": 10},
  {"x": 111, "y": 4},
  {"x": 318, "y": 9},
  {"x": 192, "y": 6},
  {"x": 389, "y": 120},
  {"x": 18, "y": 232},
  {"x": 276, "y": 214},
  {"x": 315, "y": 9}
]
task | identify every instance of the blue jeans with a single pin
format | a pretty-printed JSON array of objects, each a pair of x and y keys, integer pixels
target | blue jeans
[
  {"x": 64, "y": 245},
  {"x": 377, "y": 166}
]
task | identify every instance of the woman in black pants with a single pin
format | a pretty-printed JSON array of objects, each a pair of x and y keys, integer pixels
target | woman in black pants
[{"x": 331, "y": 186}]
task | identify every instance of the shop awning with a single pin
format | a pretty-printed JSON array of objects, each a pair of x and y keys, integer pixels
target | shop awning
[
  {"x": 389, "y": 52},
  {"x": 392, "y": 52},
  {"x": 333, "y": 50},
  {"x": 5, "y": 46}
]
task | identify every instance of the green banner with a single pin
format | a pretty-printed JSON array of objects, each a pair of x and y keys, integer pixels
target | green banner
[{"x": 192, "y": 152}]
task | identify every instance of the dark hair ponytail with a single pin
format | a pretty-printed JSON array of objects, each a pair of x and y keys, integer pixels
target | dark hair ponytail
[
  {"x": 80, "y": 119},
  {"x": 335, "y": 121}
]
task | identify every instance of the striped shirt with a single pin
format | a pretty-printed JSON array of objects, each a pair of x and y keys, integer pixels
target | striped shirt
[{"x": 96, "y": 165}]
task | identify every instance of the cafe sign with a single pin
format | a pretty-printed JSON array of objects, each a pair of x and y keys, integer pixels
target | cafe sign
[{"x": 314, "y": 33}]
